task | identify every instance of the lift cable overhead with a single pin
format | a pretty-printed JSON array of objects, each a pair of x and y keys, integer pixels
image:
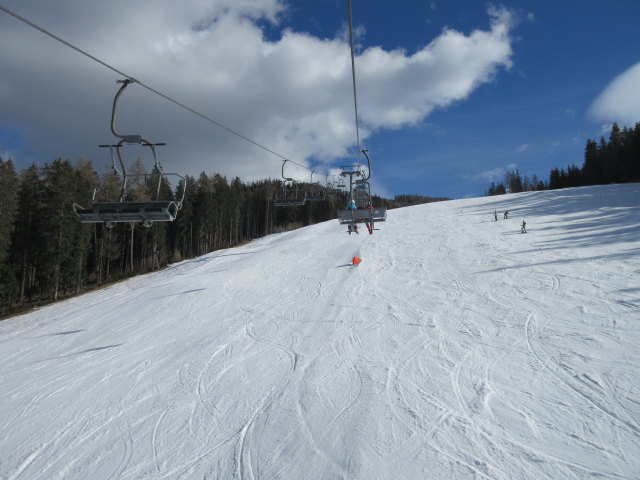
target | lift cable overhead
[{"x": 353, "y": 73}]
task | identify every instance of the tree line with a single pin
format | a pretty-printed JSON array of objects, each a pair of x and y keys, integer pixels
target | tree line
[
  {"x": 616, "y": 160},
  {"x": 47, "y": 254}
]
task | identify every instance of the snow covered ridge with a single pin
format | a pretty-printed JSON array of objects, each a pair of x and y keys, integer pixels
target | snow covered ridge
[{"x": 457, "y": 348}]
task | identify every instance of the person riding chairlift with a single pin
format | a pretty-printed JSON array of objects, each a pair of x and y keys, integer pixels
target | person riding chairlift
[{"x": 352, "y": 205}]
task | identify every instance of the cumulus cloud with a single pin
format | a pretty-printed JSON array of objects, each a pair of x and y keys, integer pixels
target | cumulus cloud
[
  {"x": 620, "y": 100},
  {"x": 494, "y": 174},
  {"x": 292, "y": 95}
]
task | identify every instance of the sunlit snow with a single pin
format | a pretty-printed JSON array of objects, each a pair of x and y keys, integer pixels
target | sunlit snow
[{"x": 458, "y": 348}]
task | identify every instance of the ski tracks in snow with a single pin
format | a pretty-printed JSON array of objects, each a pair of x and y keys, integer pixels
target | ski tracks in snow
[{"x": 456, "y": 349}]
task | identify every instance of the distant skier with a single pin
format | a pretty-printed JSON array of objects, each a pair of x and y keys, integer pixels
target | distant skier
[
  {"x": 524, "y": 227},
  {"x": 506, "y": 214},
  {"x": 495, "y": 215}
]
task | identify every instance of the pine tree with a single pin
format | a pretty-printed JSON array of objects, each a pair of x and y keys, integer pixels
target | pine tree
[
  {"x": 61, "y": 230},
  {"x": 26, "y": 241},
  {"x": 8, "y": 212},
  {"x": 554, "y": 179},
  {"x": 634, "y": 155},
  {"x": 592, "y": 168},
  {"x": 606, "y": 173},
  {"x": 85, "y": 179},
  {"x": 8, "y": 205},
  {"x": 181, "y": 230},
  {"x": 614, "y": 155}
]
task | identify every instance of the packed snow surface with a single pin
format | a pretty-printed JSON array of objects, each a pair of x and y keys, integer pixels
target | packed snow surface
[{"x": 458, "y": 348}]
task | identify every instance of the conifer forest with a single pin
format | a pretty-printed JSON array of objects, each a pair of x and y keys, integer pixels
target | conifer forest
[
  {"x": 614, "y": 161},
  {"x": 46, "y": 254}
]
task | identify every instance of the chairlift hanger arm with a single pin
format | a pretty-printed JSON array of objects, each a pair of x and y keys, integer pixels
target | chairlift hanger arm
[
  {"x": 287, "y": 179},
  {"x": 125, "y": 138},
  {"x": 364, "y": 152}
]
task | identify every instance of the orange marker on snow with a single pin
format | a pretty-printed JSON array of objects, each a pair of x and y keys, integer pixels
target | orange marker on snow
[{"x": 356, "y": 260}]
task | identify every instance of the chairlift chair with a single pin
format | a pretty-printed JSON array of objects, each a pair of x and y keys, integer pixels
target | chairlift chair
[
  {"x": 360, "y": 194},
  {"x": 289, "y": 195},
  {"x": 365, "y": 212},
  {"x": 333, "y": 184},
  {"x": 123, "y": 210},
  {"x": 316, "y": 192}
]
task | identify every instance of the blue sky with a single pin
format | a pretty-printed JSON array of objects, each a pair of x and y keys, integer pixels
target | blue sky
[{"x": 540, "y": 79}]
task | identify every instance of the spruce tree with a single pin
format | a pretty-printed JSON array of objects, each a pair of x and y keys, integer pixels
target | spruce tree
[
  {"x": 8, "y": 212},
  {"x": 61, "y": 230},
  {"x": 8, "y": 205},
  {"x": 26, "y": 242}
]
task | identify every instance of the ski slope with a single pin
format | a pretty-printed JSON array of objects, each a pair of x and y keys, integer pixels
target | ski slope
[{"x": 459, "y": 348}]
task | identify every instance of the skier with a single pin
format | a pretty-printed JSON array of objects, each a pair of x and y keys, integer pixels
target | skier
[
  {"x": 524, "y": 227},
  {"x": 495, "y": 215},
  {"x": 352, "y": 205},
  {"x": 506, "y": 214}
]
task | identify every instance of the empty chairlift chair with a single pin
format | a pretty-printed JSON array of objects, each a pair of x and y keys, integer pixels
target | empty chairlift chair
[
  {"x": 315, "y": 191},
  {"x": 160, "y": 209},
  {"x": 289, "y": 194}
]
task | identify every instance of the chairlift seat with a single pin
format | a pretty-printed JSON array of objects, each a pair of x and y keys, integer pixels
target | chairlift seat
[
  {"x": 290, "y": 197},
  {"x": 291, "y": 202},
  {"x": 362, "y": 215},
  {"x": 317, "y": 196},
  {"x": 120, "y": 212}
]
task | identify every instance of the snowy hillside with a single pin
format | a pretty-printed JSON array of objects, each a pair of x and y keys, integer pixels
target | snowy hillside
[{"x": 458, "y": 348}]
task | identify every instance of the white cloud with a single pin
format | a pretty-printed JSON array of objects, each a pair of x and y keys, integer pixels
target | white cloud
[
  {"x": 524, "y": 147},
  {"x": 6, "y": 155},
  {"x": 494, "y": 174},
  {"x": 292, "y": 95},
  {"x": 620, "y": 100},
  {"x": 606, "y": 129}
]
